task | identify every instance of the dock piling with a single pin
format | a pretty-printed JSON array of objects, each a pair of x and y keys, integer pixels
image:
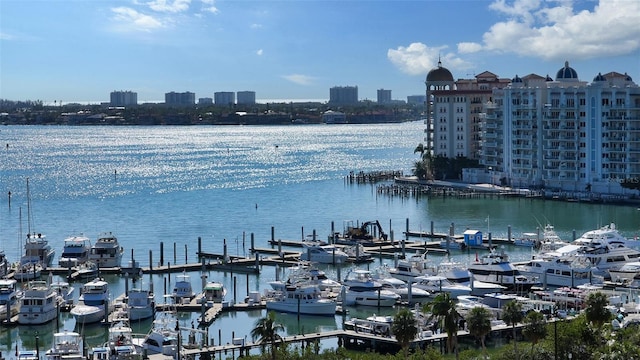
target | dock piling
[{"x": 161, "y": 253}]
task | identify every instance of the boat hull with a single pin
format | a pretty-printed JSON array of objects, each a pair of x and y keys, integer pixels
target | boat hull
[
  {"x": 320, "y": 308},
  {"x": 84, "y": 314}
]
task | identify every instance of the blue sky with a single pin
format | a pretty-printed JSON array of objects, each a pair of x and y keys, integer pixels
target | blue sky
[{"x": 80, "y": 51}]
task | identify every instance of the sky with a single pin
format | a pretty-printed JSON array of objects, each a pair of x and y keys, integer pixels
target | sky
[{"x": 296, "y": 50}]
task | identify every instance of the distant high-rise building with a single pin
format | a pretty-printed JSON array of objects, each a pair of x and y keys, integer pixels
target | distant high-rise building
[
  {"x": 416, "y": 99},
  {"x": 343, "y": 95},
  {"x": 205, "y": 101},
  {"x": 246, "y": 97},
  {"x": 185, "y": 98},
  {"x": 123, "y": 98},
  {"x": 384, "y": 96},
  {"x": 224, "y": 98}
]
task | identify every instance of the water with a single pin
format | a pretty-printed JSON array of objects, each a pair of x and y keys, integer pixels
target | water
[{"x": 175, "y": 184}]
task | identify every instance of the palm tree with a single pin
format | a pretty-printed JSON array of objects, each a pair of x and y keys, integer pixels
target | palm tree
[
  {"x": 479, "y": 324},
  {"x": 596, "y": 310},
  {"x": 267, "y": 331},
  {"x": 443, "y": 308},
  {"x": 535, "y": 328},
  {"x": 420, "y": 149},
  {"x": 512, "y": 314},
  {"x": 404, "y": 328}
]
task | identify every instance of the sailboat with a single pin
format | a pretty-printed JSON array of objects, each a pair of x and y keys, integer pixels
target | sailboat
[{"x": 36, "y": 248}]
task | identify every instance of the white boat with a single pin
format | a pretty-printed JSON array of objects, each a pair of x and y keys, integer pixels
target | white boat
[
  {"x": 39, "y": 304},
  {"x": 603, "y": 256},
  {"x": 568, "y": 271},
  {"x": 75, "y": 251},
  {"x": 120, "y": 345},
  {"x": 93, "y": 303},
  {"x": 362, "y": 289},
  {"x": 28, "y": 271},
  {"x": 183, "y": 290},
  {"x": 301, "y": 299},
  {"x": 64, "y": 291},
  {"x": 323, "y": 254},
  {"x": 527, "y": 239},
  {"x": 436, "y": 284},
  {"x": 9, "y": 295},
  {"x": 213, "y": 291},
  {"x": 67, "y": 345},
  {"x": 453, "y": 244},
  {"x": 627, "y": 272},
  {"x": 416, "y": 265},
  {"x": 459, "y": 273},
  {"x": 106, "y": 252},
  {"x": 607, "y": 234},
  {"x": 401, "y": 288},
  {"x": 374, "y": 325},
  {"x": 87, "y": 271},
  {"x": 161, "y": 339},
  {"x": 4, "y": 264},
  {"x": 37, "y": 250},
  {"x": 140, "y": 304},
  {"x": 497, "y": 269},
  {"x": 465, "y": 303},
  {"x": 308, "y": 274}
]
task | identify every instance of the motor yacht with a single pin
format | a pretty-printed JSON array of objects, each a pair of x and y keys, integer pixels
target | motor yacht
[
  {"x": 436, "y": 284},
  {"x": 106, "y": 252},
  {"x": 416, "y": 265},
  {"x": 606, "y": 235},
  {"x": 183, "y": 290},
  {"x": 323, "y": 254},
  {"x": 75, "y": 251},
  {"x": 9, "y": 295},
  {"x": 413, "y": 295},
  {"x": 568, "y": 271},
  {"x": 37, "y": 250},
  {"x": 497, "y": 269},
  {"x": 363, "y": 289},
  {"x": 67, "y": 345},
  {"x": 301, "y": 299},
  {"x": 119, "y": 346},
  {"x": 39, "y": 304},
  {"x": 93, "y": 303},
  {"x": 140, "y": 304},
  {"x": 627, "y": 272},
  {"x": 214, "y": 292}
]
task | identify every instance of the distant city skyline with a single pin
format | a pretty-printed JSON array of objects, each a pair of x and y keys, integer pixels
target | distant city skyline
[{"x": 290, "y": 51}]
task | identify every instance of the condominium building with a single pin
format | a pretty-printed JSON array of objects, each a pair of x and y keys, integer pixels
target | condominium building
[
  {"x": 384, "y": 96},
  {"x": 184, "y": 98},
  {"x": 123, "y": 98},
  {"x": 224, "y": 98},
  {"x": 563, "y": 133},
  {"x": 246, "y": 97},
  {"x": 343, "y": 95}
]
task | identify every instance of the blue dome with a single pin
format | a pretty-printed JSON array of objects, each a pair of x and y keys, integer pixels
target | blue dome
[
  {"x": 566, "y": 73},
  {"x": 599, "y": 77}
]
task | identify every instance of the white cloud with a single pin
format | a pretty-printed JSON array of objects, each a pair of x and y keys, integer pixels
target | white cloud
[
  {"x": 259, "y": 52},
  {"x": 169, "y": 6},
  {"x": 209, "y": 6},
  {"x": 5, "y": 36},
  {"x": 559, "y": 32},
  {"x": 128, "y": 19},
  {"x": 469, "y": 47},
  {"x": 419, "y": 59},
  {"x": 299, "y": 79},
  {"x": 256, "y": 26}
]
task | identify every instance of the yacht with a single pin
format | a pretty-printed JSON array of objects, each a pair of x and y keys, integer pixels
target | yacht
[
  {"x": 323, "y": 254},
  {"x": 39, "y": 304},
  {"x": 568, "y": 271},
  {"x": 162, "y": 338},
  {"x": 9, "y": 295},
  {"x": 308, "y": 274},
  {"x": 416, "y": 265},
  {"x": 183, "y": 291},
  {"x": 301, "y": 299},
  {"x": 28, "y": 271},
  {"x": 65, "y": 293},
  {"x": 436, "y": 284},
  {"x": 67, "y": 345},
  {"x": 37, "y": 250},
  {"x": 4, "y": 264},
  {"x": 140, "y": 304},
  {"x": 497, "y": 269},
  {"x": 106, "y": 252},
  {"x": 75, "y": 251},
  {"x": 527, "y": 239},
  {"x": 213, "y": 291},
  {"x": 604, "y": 257},
  {"x": 93, "y": 303},
  {"x": 375, "y": 325},
  {"x": 363, "y": 289},
  {"x": 119, "y": 346},
  {"x": 608, "y": 235},
  {"x": 402, "y": 289},
  {"x": 459, "y": 273},
  {"x": 627, "y": 272}
]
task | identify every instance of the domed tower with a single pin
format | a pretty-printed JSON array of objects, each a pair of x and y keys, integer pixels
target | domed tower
[
  {"x": 567, "y": 74},
  {"x": 438, "y": 79}
]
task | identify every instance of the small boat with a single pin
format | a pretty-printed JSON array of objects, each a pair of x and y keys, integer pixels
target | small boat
[
  {"x": 183, "y": 290},
  {"x": 65, "y": 293},
  {"x": 323, "y": 254},
  {"x": 9, "y": 295},
  {"x": 436, "y": 284},
  {"x": 119, "y": 346},
  {"x": 528, "y": 240},
  {"x": 402, "y": 288},
  {"x": 357, "y": 254},
  {"x": 93, "y": 303},
  {"x": 28, "y": 271},
  {"x": 416, "y": 265},
  {"x": 87, "y": 270},
  {"x": 75, "y": 251},
  {"x": 67, "y": 345},
  {"x": 106, "y": 252},
  {"x": 453, "y": 244},
  {"x": 301, "y": 299},
  {"x": 39, "y": 304},
  {"x": 162, "y": 338},
  {"x": 141, "y": 304},
  {"x": 374, "y": 325},
  {"x": 213, "y": 292}
]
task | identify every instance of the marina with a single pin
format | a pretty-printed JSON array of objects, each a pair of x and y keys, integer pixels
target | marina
[{"x": 242, "y": 232}]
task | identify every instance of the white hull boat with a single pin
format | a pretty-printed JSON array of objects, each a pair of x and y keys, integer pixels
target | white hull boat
[{"x": 303, "y": 299}]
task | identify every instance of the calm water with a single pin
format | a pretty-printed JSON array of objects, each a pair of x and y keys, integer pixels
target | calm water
[{"x": 175, "y": 184}]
